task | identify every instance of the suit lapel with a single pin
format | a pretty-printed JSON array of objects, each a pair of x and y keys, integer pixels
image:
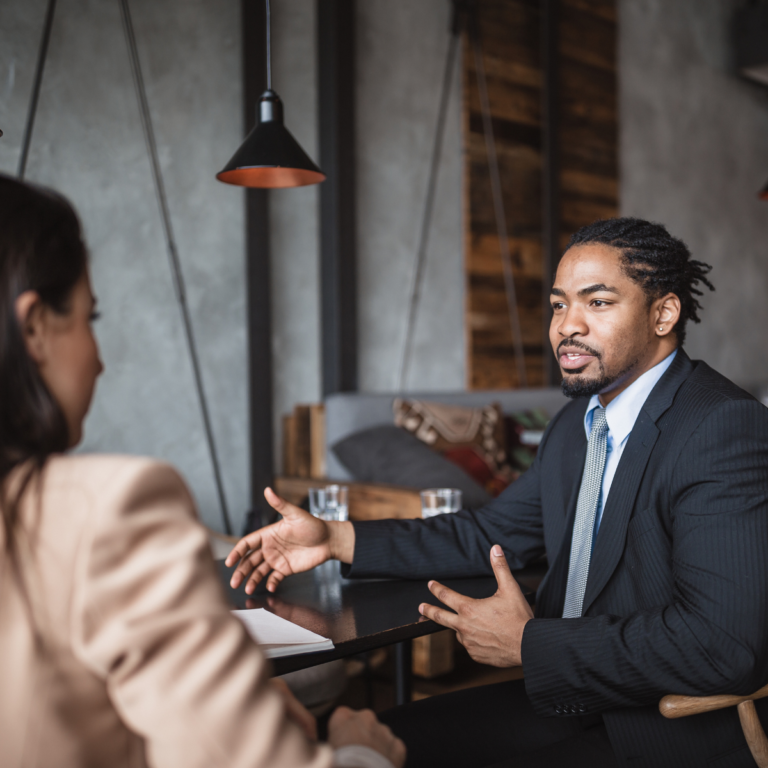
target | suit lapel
[
  {"x": 551, "y": 593},
  {"x": 609, "y": 546}
]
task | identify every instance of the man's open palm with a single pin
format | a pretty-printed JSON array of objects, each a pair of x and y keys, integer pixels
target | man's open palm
[{"x": 296, "y": 543}]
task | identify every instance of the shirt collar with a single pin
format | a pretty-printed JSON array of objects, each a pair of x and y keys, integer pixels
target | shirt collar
[{"x": 622, "y": 412}]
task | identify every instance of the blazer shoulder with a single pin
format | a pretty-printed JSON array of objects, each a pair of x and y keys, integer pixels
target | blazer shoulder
[
  {"x": 707, "y": 397},
  {"x": 110, "y": 477},
  {"x": 711, "y": 389}
]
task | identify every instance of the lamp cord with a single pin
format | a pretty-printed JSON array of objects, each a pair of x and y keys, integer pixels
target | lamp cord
[
  {"x": 498, "y": 202},
  {"x": 269, "y": 48},
  {"x": 149, "y": 137},
  {"x": 41, "y": 58},
  {"x": 434, "y": 168}
]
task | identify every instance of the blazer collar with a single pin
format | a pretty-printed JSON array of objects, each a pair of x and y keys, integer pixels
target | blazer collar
[{"x": 664, "y": 392}]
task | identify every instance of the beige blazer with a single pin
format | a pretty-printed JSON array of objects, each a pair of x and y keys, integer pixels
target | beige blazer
[{"x": 141, "y": 661}]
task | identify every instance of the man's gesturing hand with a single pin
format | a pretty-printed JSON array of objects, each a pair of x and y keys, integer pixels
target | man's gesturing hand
[
  {"x": 296, "y": 543},
  {"x": 491, "y": 629}
]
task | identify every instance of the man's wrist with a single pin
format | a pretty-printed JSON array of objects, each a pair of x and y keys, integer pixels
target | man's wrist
[
  {"x": 520, "y": 643},
  {"x": 341, "y": 541}
]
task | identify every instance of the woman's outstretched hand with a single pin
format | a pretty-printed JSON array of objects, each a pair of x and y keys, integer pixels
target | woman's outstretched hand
[{"x": 294, "y": 544}]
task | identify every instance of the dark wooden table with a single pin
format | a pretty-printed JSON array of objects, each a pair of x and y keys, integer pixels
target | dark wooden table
[{"x": 357, "y": 615}]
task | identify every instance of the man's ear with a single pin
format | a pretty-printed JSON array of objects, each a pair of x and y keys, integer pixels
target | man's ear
[
  {"x": 667, "y": 313},
  {"x": 30, "y": 312}
]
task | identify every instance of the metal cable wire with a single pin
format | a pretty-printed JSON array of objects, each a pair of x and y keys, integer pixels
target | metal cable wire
[
  {"x": 173, "y": 256},
  {"x": 498, "y": 204},
  {"x": 421, "y": 251},
  {"x": 41, "y": 58},
  {"x": 269, "y": 48}
]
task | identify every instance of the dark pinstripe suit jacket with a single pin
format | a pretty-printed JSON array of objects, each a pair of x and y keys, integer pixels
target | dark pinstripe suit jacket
[{"x": 676, "y": 597}]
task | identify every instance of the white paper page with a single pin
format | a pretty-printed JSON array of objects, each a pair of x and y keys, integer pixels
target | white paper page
[{"x": 280, "y": 637}]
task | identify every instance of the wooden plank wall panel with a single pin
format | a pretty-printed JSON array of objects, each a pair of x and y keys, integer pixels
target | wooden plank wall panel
[
  {"x": 588, "y": 113},
  {"x": 510, "y": 37}
]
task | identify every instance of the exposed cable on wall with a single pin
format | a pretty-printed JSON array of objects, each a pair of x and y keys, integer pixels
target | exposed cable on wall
[
  {"x": 32, "y": 111},
  {"x": 162, "y": 200},
  {"x": 269, "y": 47},
  {"x": 498, "y": 202},
  {"x": 426, "y": 221}
]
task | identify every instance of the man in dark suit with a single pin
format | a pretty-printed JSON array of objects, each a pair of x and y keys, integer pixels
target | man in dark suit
[{"x": 649, "y": 497}]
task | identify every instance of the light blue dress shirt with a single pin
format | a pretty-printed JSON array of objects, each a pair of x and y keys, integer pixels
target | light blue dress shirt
[{"x": 621, "y": 415}]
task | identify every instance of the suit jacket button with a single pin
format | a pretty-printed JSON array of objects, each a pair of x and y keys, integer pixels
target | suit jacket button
[
  {"x": 582, "y": 709},
  {"x": 558, "y": 709}
]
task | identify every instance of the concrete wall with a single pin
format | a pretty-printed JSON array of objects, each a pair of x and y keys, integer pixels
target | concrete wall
[
  {"x": 402, "y": 49},
  {"x": 294, "y": 219},
  {"x": 694, "y": 153},
  {"x": 397, "y": 102},
  {"x": 88, "y": 143}
]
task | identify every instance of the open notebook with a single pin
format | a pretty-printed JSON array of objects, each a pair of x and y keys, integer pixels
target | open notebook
[{"x": 280, "y": 637}]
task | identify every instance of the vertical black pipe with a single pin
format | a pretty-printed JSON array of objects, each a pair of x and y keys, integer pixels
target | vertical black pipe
[
  {"x": 338, "y": 271},
  {"x": 551, "y": 172},
  {"x": 257, "y": 275}
]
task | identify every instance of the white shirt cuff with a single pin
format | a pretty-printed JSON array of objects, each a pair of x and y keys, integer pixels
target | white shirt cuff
[{"x": 357, "y": 756}]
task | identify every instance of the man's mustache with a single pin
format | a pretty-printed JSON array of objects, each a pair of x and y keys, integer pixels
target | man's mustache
[{"x": 577, "y": 345}]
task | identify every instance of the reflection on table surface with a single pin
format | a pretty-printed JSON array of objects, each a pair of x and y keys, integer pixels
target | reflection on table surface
[{"x": 349, "y": 610}]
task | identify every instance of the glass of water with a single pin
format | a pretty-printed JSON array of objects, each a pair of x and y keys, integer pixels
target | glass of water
[
  {"x": 329, "y": 503},
  {"x": 438, "y": 501}
]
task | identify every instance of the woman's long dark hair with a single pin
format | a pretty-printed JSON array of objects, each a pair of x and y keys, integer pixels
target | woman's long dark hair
[{"x": 41, "y": 249}]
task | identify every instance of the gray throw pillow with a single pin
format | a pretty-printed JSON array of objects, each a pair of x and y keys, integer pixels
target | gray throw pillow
[{"x": 388, "y": 454}]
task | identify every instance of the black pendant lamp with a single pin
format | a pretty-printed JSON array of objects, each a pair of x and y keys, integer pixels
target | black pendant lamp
[{"x": 270, "y": 157}]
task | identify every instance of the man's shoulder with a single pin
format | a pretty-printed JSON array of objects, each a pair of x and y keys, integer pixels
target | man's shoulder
[
  {"x": 710, "y": 389},
  {"x": 708, "y": 397}
]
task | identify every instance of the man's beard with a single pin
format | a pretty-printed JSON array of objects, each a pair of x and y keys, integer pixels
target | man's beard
[
  {"x": 573, "y": 385},
  {"x": 577, "y": 386}
]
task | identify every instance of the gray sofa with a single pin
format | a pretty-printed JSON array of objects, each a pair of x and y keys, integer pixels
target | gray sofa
[{"x": 350, "y": 412}]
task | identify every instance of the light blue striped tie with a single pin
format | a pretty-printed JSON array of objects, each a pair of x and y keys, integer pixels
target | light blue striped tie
[{"x": 586, "y": 508}]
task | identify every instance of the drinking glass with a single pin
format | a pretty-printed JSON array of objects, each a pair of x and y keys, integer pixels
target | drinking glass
[
  {"x": 438, "y": 501},
  {"x": 329, "y": 503}
]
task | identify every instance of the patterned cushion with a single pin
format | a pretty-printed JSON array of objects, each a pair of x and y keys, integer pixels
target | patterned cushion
[{"x": 472, "y": 438}]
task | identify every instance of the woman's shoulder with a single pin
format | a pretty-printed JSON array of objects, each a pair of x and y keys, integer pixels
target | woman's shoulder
[{"x": 110, "y": 475}]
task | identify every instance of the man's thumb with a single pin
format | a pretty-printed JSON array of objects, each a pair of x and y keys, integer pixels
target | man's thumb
[
  {"x": 274, "y": 501},
  {"x": 501, "y": 567}
]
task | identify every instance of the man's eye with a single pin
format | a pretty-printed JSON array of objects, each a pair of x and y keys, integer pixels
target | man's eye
[
  {"x": 557, "y": 305},
  {"x": 599, "y": 303}
]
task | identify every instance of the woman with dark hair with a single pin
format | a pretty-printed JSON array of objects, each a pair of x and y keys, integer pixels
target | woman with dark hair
[{"x": 116, "y": 645}]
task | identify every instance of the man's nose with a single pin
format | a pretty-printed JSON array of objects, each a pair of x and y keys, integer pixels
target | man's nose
[{"x": 572, "y": 323}]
